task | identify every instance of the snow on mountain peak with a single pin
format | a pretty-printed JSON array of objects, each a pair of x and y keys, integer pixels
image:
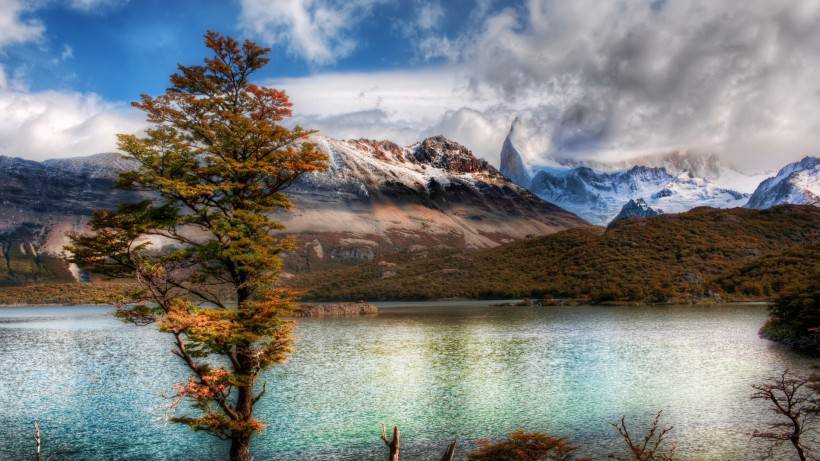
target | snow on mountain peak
[{"x": 796, "y": 183}]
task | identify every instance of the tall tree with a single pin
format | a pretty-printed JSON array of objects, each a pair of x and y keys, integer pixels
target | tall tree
[{"x": 204, "y": 247}]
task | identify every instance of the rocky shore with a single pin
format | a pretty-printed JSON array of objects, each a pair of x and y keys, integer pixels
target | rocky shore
[{"x": 335, "y": 310}]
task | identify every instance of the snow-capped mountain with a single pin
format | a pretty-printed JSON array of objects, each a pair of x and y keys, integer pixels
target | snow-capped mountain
[
  {"x": 598, "y": 191},
  {"x": 637, "y": 208},
  {"x": 597, "y": 196},
  {"x": 377, "y": 197},
  {"x": 796, "y": 183}
]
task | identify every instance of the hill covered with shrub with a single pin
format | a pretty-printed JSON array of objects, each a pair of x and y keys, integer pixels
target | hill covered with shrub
[{"x": 704, "y": 255}]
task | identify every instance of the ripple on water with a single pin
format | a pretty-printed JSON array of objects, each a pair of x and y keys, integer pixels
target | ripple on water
[{"x": 440, "y": 370}]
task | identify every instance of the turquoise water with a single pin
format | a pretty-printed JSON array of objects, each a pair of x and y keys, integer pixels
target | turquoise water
[{"x": 441, "y": 371}]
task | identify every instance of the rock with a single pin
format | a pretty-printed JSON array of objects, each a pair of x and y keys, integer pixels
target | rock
[
  {"x": 636, "y": 209},
  {"x": 335, "y": 310},
  {"x": 512, "y": 163}
]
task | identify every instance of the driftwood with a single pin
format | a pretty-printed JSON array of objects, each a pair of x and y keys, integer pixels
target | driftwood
[
  {"x": 37, "y": 441},
  {"x": 394, "y": 446},
  {"x": 450, "y": 453}
]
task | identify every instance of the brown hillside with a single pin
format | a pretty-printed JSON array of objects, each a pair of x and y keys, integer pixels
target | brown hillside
[{"x": 703, "y": 255}]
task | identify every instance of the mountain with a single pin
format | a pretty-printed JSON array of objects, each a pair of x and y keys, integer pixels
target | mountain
[
  {"x": 41, "y": 202},
  {"x": 797, "y": 183},
  {"x": 637, "y": 209},
  {"x": 376, "y": 198},
  {"x": 597, "y": 191},
  {"x": 703, "y": 255},
  {"x": 511, "y": 162},
  {"x": 599, "y": 196},
  {"x": 693, "y": 163}
]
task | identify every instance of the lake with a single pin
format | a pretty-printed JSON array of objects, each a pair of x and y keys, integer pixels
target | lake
[{"x": 441, "y": 371}]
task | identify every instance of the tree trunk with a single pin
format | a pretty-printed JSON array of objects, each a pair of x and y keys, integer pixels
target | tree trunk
[
  {"x": 801, "y": 452},
  {"x": 241, "y": 447},
  {"x": 241, "y": 440}
]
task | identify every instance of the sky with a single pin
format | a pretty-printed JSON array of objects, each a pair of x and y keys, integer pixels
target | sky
[{"x": 603, "y": 79}]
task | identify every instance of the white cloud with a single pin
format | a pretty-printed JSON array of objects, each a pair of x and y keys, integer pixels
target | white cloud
[
  {"x": 403, "y": 106},
  {"x": 429, "y": 15},
  {"x": 320, "y": 31},
  {"x": 13, "y": 27},
  {"x": 91, "y": 6},
  {"x": 53, "y": 124},
  {"x": 482, "y": 132}
]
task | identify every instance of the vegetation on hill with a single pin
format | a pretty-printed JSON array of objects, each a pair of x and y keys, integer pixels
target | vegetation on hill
[
  {"x": 64, "y": 293},
  {"x": 704, "y": 255},
  {"x": 794, "y": 318}
]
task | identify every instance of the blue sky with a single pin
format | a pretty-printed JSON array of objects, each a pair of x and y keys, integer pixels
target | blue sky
[
  {"x": 122, "y": 49},
  {"x": 606, "y": 79}
]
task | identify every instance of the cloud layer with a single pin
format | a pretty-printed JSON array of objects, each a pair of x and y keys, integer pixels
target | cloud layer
[
  {"x": 620, "y": 77},
  {"x": 42, "y": 125},
  {"x": 585, "y": 78},
  {"x": 603, "y": 79}
]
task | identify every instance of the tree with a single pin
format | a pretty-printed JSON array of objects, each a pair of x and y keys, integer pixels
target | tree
[
  {"x": 648, "y": 448},
  {"x": 524, "y": 446},
  {"x": 794, "y": 318},
  {"x": 794, "y": 402},
  {"x": 204, "y": 247}
]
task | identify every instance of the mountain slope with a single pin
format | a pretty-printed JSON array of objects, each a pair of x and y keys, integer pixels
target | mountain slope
[
  {"x": 377, "y": 198},
  {"x": 686, "y": 257},
  {"x": 796, "y": 183}
]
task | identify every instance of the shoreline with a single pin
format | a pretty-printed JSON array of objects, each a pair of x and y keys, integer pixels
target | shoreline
[{"x": 499, "y": 303}]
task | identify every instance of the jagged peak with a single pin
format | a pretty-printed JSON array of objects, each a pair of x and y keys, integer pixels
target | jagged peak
[
  {"x": 441, "y": 152},
  {"x": 512, "y": 162},
  {"x": 636, "y": 208}
]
